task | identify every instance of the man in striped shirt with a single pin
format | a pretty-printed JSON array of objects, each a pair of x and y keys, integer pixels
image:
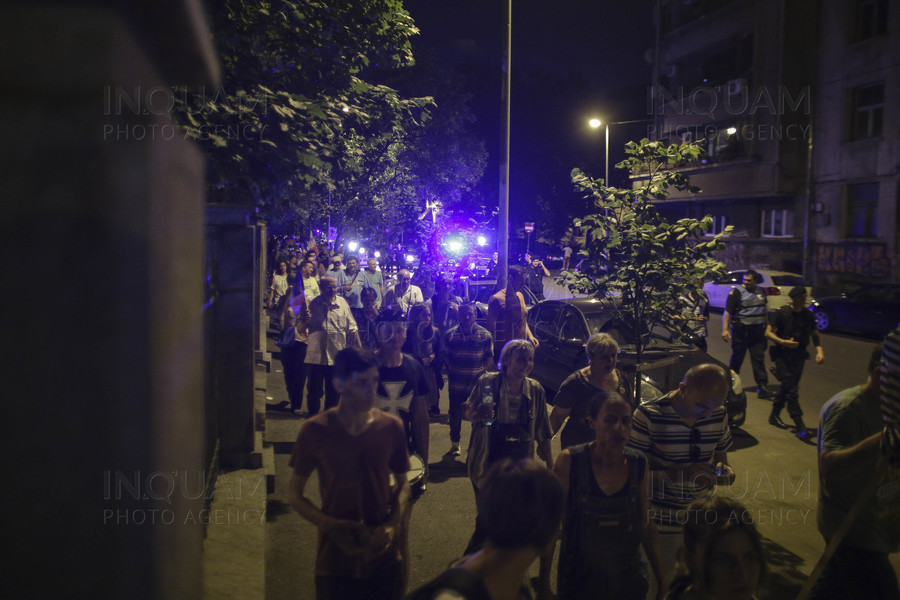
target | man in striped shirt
[
  {"x": 686, "y": 438},
  {"x": 331, "y": 328},
  {"x": 468, "y": 351}
]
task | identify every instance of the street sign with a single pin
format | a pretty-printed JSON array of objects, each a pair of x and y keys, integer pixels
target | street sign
[{"x": 529, "y": 227}]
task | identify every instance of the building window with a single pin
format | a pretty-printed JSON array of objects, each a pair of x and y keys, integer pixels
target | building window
[
  {"x": 868, "y": 111},
  {"x": 778, "y": 223},
  {"x": 870, "y": 19},
  {"x": 861, "y": 214},
  {"x": 719, "y": 224}
]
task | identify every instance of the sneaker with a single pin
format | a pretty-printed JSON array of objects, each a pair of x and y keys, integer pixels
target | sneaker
[{"x": 454, "y": 450}]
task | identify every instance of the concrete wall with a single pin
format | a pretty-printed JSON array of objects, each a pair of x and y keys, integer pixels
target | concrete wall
[{"x": 102, "y": 248}]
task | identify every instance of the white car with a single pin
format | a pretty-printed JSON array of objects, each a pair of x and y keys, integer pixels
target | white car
[{"x": 777, "y": 285}]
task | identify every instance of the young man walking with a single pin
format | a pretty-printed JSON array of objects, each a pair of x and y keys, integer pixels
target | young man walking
[{"x": 355, "y": 448}]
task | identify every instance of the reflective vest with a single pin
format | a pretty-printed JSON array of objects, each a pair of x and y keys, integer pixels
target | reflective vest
[{"x": 752, "y": 307}]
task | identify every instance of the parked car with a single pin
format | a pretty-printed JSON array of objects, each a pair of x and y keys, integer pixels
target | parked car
[
  {"x": 870, "y": 309},
  {"x": 563, "y": 326},
  {"x": 777, "y": 284}
]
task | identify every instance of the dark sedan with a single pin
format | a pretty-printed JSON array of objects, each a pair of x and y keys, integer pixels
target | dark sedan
[
  {"x": 870, "y": 309},
  {"x": 563, "y": 326}
]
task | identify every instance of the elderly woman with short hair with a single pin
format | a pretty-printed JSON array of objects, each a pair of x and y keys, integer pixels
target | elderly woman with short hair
[
  {"x": 513, "y": 425},
  {"x": 574, "y": 395}
]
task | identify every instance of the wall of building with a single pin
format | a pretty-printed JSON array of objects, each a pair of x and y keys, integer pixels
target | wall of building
[
  {"x": 839, "y": 260},
  {"x": 103, "y": 246}
]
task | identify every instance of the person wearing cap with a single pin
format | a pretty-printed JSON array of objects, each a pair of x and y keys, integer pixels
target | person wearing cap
[
  {"x": 336, "y": 267},
  {"x": 791, "y": 332}
]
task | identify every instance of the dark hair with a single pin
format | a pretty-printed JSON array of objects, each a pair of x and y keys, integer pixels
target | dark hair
[
  {"x": 754, "y": 273},
  {"x": 601, "y": 398},
  {"x": 521, "y": 505},
  {"x": 353, "y": 359},
  {"x": 389, "y": 314},
  {"x": 368, "y": 291},
  {"x": 517, "y": 270},
  {"x": 708, "y": 519},
  {"x": 797, "y": 291},
  {"x": 469, "y": 304},
  {"x": 305, "y": 262}
]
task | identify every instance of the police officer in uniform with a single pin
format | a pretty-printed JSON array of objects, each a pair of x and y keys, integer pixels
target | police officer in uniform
[
  {"x": 791, "y": 331},
  {"x": 744, "y": 325}
]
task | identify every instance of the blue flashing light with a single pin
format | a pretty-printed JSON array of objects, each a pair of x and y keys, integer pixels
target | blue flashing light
[{"x": 481, "y": 240}]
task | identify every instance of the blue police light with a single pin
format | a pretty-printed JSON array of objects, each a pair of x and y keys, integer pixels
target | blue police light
[
  {"x": 481, "y": 240},
  {"x": 410, "y": 258},
  {"x": 454, "y": 245}
]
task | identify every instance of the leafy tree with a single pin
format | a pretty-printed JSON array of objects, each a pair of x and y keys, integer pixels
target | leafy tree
[
  {"x": 301, "y": 126},
  {"x": 632, "y": 253}
]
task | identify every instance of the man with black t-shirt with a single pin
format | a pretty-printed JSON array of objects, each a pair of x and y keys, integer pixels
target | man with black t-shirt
[
  {"x": 402, "y": 389},
  {"x": 791, "y": 332}
]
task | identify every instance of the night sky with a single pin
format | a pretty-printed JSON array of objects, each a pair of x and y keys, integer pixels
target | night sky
[{"x": 570, "y": 61}]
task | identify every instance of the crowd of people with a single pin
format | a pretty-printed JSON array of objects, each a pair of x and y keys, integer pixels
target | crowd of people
[{"x": 630, "y": 502}]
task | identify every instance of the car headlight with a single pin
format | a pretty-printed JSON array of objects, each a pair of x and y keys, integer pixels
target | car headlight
[{"x": 736, "y": 386}]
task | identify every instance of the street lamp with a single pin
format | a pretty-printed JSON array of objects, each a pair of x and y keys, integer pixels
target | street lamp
[{"x": 595, "y": 123}]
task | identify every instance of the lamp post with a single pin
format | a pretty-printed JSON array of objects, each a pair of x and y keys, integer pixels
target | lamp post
[{"x": 595, "y": 123}]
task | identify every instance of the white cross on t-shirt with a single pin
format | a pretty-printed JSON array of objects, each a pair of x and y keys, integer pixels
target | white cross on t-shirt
[{"x": 394, "y": 402}]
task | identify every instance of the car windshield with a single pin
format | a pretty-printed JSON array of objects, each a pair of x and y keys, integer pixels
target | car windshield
[{"x": 787, "y": 280}]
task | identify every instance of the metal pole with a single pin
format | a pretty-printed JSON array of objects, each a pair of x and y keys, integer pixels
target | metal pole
[
  {"x": 606, "y": 173},
  {"x": 503, "y": 217}
]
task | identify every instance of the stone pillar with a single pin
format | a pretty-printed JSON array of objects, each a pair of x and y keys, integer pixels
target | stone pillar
[
  {"x": 102, "y": 251},
  {"x": 231, "y": 246}
]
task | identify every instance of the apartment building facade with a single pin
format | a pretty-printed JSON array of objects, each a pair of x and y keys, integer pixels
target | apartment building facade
[{"x": 856, "y": 157}]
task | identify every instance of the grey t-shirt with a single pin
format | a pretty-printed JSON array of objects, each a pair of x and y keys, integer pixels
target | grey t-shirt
[{"x": 845, "y": 420}]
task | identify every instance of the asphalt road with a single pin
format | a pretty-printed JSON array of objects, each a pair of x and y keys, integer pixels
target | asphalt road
[{"x": 777, "y": 480}]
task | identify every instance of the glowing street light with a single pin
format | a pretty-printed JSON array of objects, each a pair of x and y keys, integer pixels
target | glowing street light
[
  {"x": 596, "y": 123},
  {"x": 731, "y": 130},
  {"x": 481, "y": 240},
  {"x": 410, "y": 258},
  {"x": 353, "y": 246}
]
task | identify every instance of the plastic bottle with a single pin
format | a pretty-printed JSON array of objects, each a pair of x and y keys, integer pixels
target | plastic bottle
[{"x": 487, "y": 397}]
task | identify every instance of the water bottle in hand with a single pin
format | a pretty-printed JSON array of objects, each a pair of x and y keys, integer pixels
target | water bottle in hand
[{"x": 487, "y": 397}]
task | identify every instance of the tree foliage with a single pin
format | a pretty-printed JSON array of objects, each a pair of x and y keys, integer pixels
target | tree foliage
[
  {"x": 631, "y": 252},
  {"x": 300, "y": 112}
]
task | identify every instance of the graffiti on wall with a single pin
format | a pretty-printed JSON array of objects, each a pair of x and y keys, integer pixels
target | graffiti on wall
[{"x": 870, "y": 260}]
